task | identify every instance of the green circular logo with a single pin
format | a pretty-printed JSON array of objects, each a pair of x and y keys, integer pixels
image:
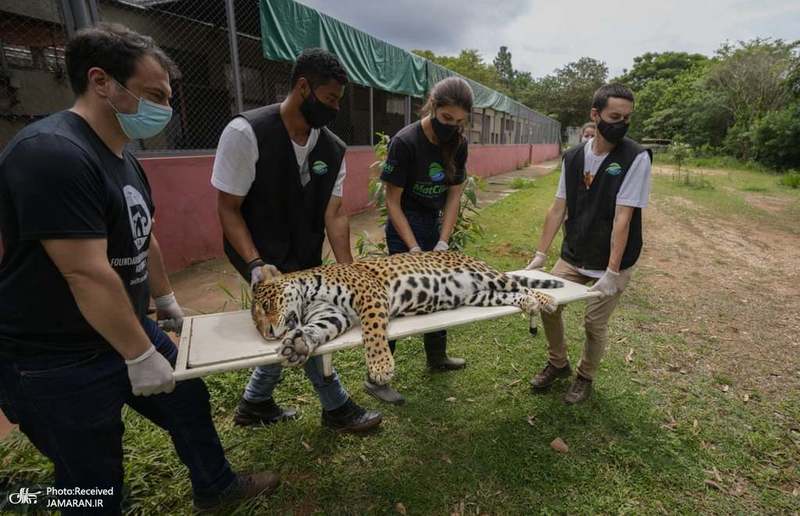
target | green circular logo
[
  {"x": 319, "y": 168},
  {"x": 436, "y": 172}
]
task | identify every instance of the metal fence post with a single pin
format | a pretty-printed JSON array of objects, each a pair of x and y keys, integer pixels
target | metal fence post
[
  {"x": 78, "y": 14},
  {"x": 236, "y": 76},
  {"x": 371, "y": 116}
]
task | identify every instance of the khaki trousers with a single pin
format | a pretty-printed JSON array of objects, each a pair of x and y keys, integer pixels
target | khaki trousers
[{"x": 595, "y": 322}]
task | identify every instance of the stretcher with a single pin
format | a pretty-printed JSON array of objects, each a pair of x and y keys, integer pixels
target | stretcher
[{"x": 228, "y": 341}]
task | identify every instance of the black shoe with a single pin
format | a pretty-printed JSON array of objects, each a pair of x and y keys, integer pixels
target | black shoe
[
  {"x": 549, "y": 375},
  {"x": 351, "y": 418},
  {"x": 383, "y": 393},
  {"x": 264, "y": 412},
  {"x": 445, "y": 363},
  {"x": 578, "y": 391},
  {"x": 243, "y": 488}
]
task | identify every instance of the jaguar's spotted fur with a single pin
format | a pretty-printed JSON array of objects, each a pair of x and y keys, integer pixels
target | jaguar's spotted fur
[{"x": 309, "y": 308}]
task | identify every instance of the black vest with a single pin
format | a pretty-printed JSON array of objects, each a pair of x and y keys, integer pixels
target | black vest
[
  {"x": 590, "y": 212},
  {"x": 285, "y": 219}
]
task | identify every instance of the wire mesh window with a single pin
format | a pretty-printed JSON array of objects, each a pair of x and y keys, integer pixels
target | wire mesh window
[{"x": 33, "y": 81}]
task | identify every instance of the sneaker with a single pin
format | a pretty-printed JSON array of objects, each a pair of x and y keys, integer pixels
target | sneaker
[
  {"x": 351, "y": 418},
  {"x": 244, "y": 487},
  {"x": 578, "y": 391},
  {"x": 383, "y": 393},
  {"x": 265, "y": 412},
  {"x": 549, "y": 375}
]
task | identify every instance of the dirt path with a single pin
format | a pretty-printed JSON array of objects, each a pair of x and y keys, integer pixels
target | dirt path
[{"x": 731, "y": 285}]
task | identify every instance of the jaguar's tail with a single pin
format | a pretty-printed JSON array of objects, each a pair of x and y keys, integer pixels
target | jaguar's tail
[{"x": 537, "y": 283}]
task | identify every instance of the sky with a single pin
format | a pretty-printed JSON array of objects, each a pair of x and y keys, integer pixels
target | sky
[{"x": 544, "y": 35}]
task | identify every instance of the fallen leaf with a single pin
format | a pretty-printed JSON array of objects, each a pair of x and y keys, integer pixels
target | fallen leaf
[
  {"x": 726, "y": 388},
  {"x": 738, "y": 488},
  {"x": 451, "y": 399},
  {"x": 447, "y": 459},
  {"x": 559, "y": 445},
  {"x": 746, "y": 398},
  {"x": 305, "y": 445},
  {"x": 629, "y": 356},
  {"x": 695, "y": 424},
  {"x": 470, "y": 400},
  {"x": 796, "y": 491},
  {"x": 713, "y": 484},
  {"x": 400, "y": 508},
  {"x": 530, "y": 420}
]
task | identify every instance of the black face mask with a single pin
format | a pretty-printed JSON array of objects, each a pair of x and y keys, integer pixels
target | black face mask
[
  {"x": 444, "y": 132},
  {"x": 316, "y": 113},
  {"x": 613, "y": 133}
]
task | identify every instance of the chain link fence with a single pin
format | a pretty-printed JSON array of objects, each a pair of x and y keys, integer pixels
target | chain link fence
[
  {"x": 211, "y": 88},
  {"x": 33, "y": 78}
]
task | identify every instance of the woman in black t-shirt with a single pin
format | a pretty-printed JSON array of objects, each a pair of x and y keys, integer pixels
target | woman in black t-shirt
[{"x": 424, "y": 175}]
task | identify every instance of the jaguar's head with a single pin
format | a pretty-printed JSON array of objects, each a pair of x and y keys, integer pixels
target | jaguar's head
[{"x": 276, "y": 307}]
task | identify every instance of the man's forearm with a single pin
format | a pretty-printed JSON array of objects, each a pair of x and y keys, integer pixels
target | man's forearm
[
  {"x": 552, "y": 222},
  {"x": 338, "y": 229},
  {"x": 103, "y": 302},
  {"x": 619, "y": 238},
  {"x": 157, "y": 272},
  {"x": 237, "y": 233}
]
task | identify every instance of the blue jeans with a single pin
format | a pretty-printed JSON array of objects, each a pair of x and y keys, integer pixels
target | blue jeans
[
  {"x": 265, "y": 378},
  {"x": 70, "y": 407},
  {"x": 425, "y": 227}
]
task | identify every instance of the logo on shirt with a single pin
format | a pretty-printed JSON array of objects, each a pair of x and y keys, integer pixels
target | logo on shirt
[
  {"x": 436, "y": 172},
  {"x": 614, "y": 169},
  {"x": 319, "y": 168},
  {"x": 388, "y": 166},
  {"x": 139, "y": 216}
]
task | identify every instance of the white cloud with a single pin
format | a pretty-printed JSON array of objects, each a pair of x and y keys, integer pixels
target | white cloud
[{"x": 544, "y": 35}]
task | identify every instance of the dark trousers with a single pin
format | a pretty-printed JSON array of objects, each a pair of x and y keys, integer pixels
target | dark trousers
[
  {"x": 70, "y": 407},
  {"x": 426, "y": 230}
]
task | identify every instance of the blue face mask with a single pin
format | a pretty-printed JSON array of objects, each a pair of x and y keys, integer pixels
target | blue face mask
[{"x": 149, "y": 120}]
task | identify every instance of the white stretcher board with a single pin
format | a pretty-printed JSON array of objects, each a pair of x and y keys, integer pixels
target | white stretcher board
[{"x": 228, "y": 341}]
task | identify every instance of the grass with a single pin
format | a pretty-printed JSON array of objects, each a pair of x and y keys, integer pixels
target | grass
[
  {"x": 717, "y": 162},
  {"x": 477, "y": 441}
]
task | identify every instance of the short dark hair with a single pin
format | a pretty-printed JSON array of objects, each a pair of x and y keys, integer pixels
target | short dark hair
[
  {"x": 114, "y": 48},
  {"x": 606, "y": 91},
  {"x": 318, "y": 66}
]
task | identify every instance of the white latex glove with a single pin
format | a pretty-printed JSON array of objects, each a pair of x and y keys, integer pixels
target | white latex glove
[
  {"x": 441, "y": 245},
  {"x": 169, "y": 314},
  {"x": 150, "y": 373},
  {"x": 260, "y": 271},
  {"x": 537, "y": 262},
  {"x": 609, "y": 283},
  {"x": 415, "y": 249}
]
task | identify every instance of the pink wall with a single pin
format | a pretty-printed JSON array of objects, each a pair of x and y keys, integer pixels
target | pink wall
[{"x": 187, "y": 225}]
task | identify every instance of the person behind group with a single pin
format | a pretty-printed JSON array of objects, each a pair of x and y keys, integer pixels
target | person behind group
[
  {"x": 280, "y": 176},
  {"x": 588, "y": 131},
  {"x": 424, "y": 176}
]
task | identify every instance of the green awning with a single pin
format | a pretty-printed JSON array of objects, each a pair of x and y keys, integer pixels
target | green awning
[{"x": 288, "y": 27}]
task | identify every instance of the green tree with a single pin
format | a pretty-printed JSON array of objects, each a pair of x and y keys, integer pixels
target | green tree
[
  {"x": 504, "y": 68},
  {"x": 653, "y": 66},
  {"x": 751, "y": 77}
]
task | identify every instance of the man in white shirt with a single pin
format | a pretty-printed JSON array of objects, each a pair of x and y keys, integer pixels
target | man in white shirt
[
  {"x": 280, "y": 174},
  {"x": 604, "y": 184}
]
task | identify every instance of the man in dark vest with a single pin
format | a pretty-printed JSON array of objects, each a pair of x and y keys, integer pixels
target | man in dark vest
[
  {"x": 280, "y": 173},
  {"x": 605, "y": 183}
]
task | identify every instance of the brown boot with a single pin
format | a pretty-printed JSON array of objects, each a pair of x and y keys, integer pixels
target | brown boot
[
  {"x": 578, "y": 391},
  {"x": 243, "y": 488},
  {"x": 549, "y": 375}
]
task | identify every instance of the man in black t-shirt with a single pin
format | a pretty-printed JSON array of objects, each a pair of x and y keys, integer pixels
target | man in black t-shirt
[{"x": 80, "y": 264}]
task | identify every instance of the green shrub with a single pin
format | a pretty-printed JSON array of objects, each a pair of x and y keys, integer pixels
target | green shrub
[{"x": 791, "y": 179}]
